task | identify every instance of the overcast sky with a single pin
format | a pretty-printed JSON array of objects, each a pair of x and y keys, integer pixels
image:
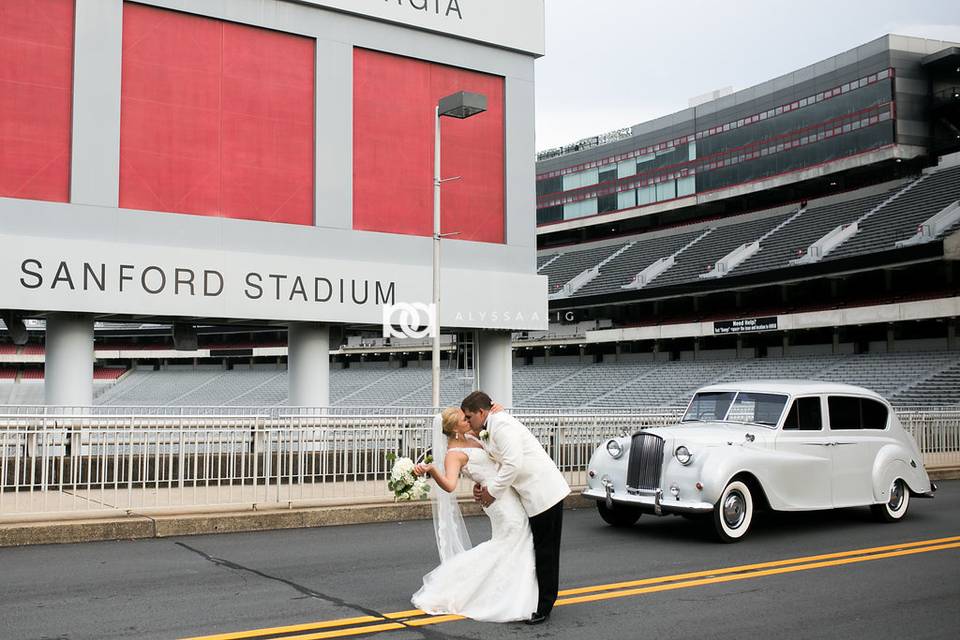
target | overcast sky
[{"x": 614, "y": 63}]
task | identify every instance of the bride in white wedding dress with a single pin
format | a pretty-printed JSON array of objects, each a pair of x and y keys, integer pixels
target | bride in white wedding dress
[{"x": 495, "y": 581}]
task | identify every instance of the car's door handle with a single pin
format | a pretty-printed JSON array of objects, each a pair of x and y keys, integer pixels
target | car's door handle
[
  {"x": 819, "y": 444},
  {"x": 842, "y": 443}
]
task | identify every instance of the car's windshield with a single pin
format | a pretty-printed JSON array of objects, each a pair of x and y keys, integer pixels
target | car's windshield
[
  {"x": 709, "y": 406},
  {"x": 754, "y": 408}
]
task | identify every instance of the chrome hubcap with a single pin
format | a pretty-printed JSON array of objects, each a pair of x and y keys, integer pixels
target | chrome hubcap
[
  {"x": 734, "y": 509},
  {"x": 896, "y": 496}
]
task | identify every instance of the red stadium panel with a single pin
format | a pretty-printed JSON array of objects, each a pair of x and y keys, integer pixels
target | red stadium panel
[
  {"x": 394, "y": 100},
  {"x": 217, "y": 118},
  {"x": 36, "y": 94},
  {"x": 108, "y": 373}
]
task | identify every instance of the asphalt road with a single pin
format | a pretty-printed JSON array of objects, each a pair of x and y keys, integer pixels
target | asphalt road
[{"x": 193, "y": 586}]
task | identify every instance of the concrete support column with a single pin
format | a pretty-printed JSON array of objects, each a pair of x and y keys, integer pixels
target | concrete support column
[
  {"x": 308, "y": 347},
  {"x": 952, "y": 333},
  {"x": 69, "y": 360},
  {"x": 836, "y": 340},
  {"x": 495, "y": 365},
  {"x": 95, "y": 170},
  {"x": 786, "y": 343}
]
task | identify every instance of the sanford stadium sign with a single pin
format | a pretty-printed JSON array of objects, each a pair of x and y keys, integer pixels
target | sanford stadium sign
[{"x": 91, "y": 276}]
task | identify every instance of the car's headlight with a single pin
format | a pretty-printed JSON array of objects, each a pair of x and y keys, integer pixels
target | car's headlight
[
  {"x": 614, "y": 449},
  {"x": 683, "y": 455}
]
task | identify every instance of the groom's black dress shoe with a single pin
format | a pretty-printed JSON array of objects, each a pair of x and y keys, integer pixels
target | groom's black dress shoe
[{"x": 537, "y": 618}]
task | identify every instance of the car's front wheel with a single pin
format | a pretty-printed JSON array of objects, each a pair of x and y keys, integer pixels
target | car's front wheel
[
  {"x": 733, "y": 513},
  {"x": 618, "y": 515},
  {"x": 895, "y": 508}
]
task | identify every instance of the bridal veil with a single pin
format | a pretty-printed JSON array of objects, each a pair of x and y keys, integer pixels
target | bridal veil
[{"x": 448, "y": 525}]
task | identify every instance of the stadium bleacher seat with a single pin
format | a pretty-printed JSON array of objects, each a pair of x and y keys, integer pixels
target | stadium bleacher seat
[
  {"x": 899, "y": 219},
  {"x": 916, "y": 379},
  {"x": 785, "y": 237}
]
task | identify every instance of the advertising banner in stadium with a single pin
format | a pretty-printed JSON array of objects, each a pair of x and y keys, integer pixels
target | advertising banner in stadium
[
  {"x": 103, "y": 277},
  {"x": 745, "y": 325},
  {"x": 505, "y": 23}
]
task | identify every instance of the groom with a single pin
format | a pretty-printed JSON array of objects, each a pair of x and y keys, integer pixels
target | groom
[{"x": 526, "y": 467}]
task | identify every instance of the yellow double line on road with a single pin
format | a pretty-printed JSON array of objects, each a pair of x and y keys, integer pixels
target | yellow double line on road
[{"x": 364, "y": 625}]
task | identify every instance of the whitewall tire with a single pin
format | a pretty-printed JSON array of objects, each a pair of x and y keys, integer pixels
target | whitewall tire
[
  {"x": 733, "y": 512},
  {"x": 898, "y": 501}
]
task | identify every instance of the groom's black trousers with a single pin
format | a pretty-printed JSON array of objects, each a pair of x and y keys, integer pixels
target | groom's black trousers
[{"x": 546, "y": 528}]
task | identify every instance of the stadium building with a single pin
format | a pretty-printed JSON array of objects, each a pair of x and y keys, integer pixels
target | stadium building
[
  {"x": 261, "y": 165},
  {"x": 813, "y": 216},
  {"x": 805, "y": 227}
]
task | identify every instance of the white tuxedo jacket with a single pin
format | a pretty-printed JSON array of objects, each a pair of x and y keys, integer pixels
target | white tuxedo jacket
[{"x": 524, "y": 465}]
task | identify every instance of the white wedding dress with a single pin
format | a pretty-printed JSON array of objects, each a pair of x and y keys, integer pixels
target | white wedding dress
[{"x": 495, "y": 581}]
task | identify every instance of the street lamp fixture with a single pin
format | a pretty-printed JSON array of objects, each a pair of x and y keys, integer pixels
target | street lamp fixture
[{"x": 460, "y": 105}]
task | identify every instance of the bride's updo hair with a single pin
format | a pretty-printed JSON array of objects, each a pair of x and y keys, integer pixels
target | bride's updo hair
[{"x": 450, "y": 418}]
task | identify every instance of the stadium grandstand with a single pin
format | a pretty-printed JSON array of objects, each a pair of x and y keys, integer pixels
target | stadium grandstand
[{"x": 807, "y": 227}]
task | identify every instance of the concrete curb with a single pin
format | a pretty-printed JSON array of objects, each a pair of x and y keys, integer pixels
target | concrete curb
[
  {"x": 944, "y": 473},
  {"x": 138, "y": 527}
]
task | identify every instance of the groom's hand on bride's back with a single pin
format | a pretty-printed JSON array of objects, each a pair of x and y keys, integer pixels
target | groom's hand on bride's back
[
  {"x": 481, "y": 495},
  {"x": 496, "y": 407}
]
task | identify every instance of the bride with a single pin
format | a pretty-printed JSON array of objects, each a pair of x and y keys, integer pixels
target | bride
[{"x": 495, "y": 581}]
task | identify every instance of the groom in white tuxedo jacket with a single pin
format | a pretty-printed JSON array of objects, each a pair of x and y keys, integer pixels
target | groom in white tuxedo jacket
[{"x": 526, "y": 467}]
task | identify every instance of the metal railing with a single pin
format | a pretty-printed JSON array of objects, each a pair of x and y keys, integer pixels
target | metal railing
[{"x": 58, "y": 461}]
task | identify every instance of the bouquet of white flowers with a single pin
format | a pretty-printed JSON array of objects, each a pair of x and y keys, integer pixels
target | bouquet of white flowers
[{"x": 403, "y": 483}]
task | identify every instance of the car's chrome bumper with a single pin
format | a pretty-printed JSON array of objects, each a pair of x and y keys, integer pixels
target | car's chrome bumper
[{"x": 648, "y": 501}]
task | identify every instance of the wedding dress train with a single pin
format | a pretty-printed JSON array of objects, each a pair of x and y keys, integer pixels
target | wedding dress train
[{"x": 496, "y": 580}]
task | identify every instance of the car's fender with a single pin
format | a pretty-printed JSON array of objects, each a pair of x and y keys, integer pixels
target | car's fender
[
  {"x": 725, "y": 463},
  {"x": 894, "y": 461}
]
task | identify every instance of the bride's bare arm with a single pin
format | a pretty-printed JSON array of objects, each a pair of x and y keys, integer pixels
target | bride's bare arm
[{"x": 452, "y": 464}]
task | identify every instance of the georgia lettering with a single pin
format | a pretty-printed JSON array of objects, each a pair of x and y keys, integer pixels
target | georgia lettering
[{"x": 435, "y": 6}]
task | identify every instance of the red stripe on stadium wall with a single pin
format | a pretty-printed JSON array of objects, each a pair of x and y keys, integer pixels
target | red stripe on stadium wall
[
  {"x": 393, "y": 138},
  {"x": 217, "y": 118},
  {"x": 36, "y": 98}
]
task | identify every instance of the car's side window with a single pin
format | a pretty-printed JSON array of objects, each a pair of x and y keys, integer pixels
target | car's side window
[
  {"x": 873, "y": 414},
  {"x": 856, "y": 413},
  {"x": 844, "y": 412},
  {"x": 804, "y": 415}
]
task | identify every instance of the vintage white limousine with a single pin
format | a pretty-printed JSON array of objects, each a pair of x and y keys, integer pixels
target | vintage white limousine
[{"x": 782, "y": 445}]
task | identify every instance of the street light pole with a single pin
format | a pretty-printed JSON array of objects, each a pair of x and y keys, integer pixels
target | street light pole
[
  {"x": 435, "y": 360},
  {"x": 459, "y": 105}
]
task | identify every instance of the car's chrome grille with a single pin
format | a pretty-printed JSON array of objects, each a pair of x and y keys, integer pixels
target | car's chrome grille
[{"x": 646, "y": 458}]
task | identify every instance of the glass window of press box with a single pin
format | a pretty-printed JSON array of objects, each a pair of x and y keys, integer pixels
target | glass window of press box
[{"x": 835, "y": 123}]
